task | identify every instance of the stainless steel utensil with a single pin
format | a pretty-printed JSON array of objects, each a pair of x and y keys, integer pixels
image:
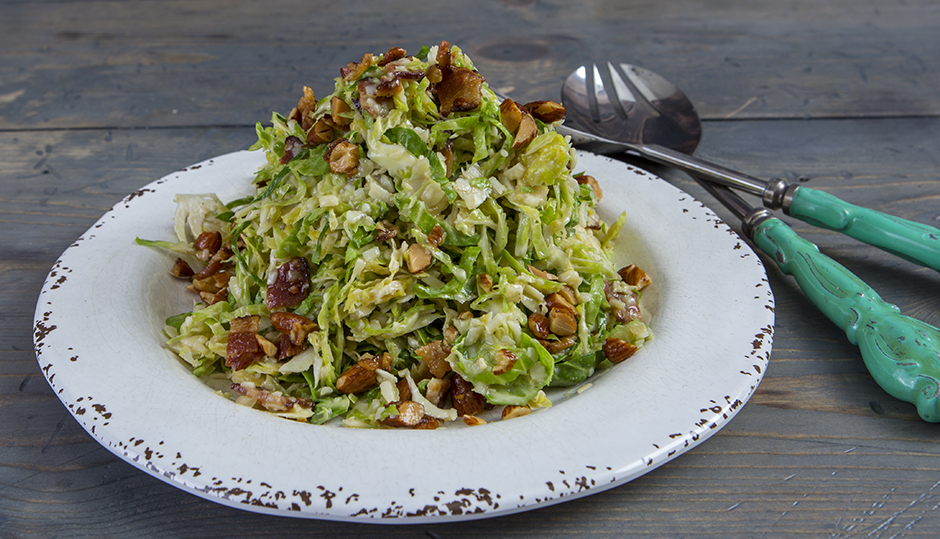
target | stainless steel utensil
[{"x": 620, "y": 107}]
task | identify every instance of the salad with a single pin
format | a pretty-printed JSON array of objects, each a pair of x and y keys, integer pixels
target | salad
[{"x": 415, "y": 251}]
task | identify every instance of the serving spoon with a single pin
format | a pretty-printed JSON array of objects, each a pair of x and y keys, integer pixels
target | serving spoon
[
  {"x": 656, "y": 121},
  {"x": 628, "y": 108}
]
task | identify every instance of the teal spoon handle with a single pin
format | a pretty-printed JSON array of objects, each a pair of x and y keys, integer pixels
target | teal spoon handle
[
  {"x": 915, "y": 242},
  {"x": 902, "y": 353}
]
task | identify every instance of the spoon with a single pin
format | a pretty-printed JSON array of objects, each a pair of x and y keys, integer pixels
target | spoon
[
  {"x": 628, "y": 108},
  {"x": 901, "y": 353}
]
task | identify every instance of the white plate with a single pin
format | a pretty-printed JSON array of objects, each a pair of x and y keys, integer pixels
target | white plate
[{"x": 97, "y": 339}]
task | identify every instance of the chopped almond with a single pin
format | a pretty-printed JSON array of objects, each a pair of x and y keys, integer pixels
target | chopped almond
[
  {"x": 505, "y": 360},
  {"x": 634, "y": 276},
  {"x": 435, "y": 355},
  {"x": 617, "y": 350},
  {"x": 338, "y": 108},
  {"x": 512, "y": 411},
  {"x": 546, "y": 111},
  {"x": 417, "y": 258}
]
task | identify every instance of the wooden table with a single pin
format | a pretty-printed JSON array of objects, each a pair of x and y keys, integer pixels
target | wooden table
[{"x": 100, "y": 98}]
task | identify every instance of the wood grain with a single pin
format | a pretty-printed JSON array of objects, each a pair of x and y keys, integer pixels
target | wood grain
[{"x": 98, "y": 98}]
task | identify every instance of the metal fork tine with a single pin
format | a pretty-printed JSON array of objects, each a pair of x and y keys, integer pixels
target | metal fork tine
[
  {"x": 599, "y": 92},
  {"x": 620, "y": 90}
]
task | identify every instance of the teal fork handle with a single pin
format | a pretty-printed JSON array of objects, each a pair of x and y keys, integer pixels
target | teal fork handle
[
  {"x": 914, "y": 242},
  {"x": 902, "y": 353}
]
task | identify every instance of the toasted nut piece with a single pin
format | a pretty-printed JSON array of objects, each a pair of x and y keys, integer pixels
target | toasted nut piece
[
  {"x": 181, "y": 269},
  {"x": 404, "y": 390},
  {"x": 344, "y": 157},
  {"x": 338, "y": 108},
  {"x": 207, "y": 244},
  {"x": 296, "y": 327},
  {"x": 353, "y": 70},
  {"x": 272, "y": 401},
  {"x": 443, "y": 54},
  {"x": 384, "y": 231},
  {"x": 546, "y": 111},
  {"x": 624, "y": 306},
  {"x": 435, "y": 355},
  {"x": 538, "y": 325},
  {"x": 322, "y": 132},
  {"x": 269, "y": 348},
  {"x": 541, "y": 273},
  {"x": 418, "y": 258},
  {"x": 437, "y": 390},
  {"x": 527, "y": 131},
  {"x": 409, "y": 415},
  {"x": 382, "y": 361},
  {"x": 634, "y": 276},
  {"x": 464, "y": 399},
  {"x": 596, "y": 187},
  {"x": 505, "y": 359},
  {"x": 465, "y": 315},
  {"x": 355, "y": 379},
  {"x": 562, "y": 323},
  {"x": 560, "y": 345},
  {"x": 451, "y": 334},
  {"x": 427, "y": 423},
  {"x": 306, "y": 105},
  {"x": 485, "y": 282},
  {"x": 434, "y": 74},
  {"x": 512, "y": 411},
  {"x": 436, "y": 236},
  {"x": 569, "y": 294},
  {"x": 448, "y": 152},
  {"x": 617, "y": 350},
  {"x": 211, "y": 299},
  {"x": 473, "y": 421},
  {"x": 510, "y": 114},
  {"x": 394, "y": 53},
  {"x": 557, "y": 301}
]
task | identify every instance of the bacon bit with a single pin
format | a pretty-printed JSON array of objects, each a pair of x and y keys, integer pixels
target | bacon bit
[
  {"x": 207, "y": 244},
  {"x": 388, "y": 88},
  {"x": 505, "y": 360},
  {"x": 302, "y": 112},
  {"x": 243, "y": 349},
  {"x": 634, "y": 276},
  {"x": 436, "y": 237},
  {"x": 434, "y": 74},
  {"x": 354, "y": 70},
  {"x": 437, "y": 390},
  {"x": 538, "y": 325},
  {"x": 291, "y": 285},
  {"x": 459, "y": 90},
  {"x": 322, "y": 132},
  {"x": 292, "y": 147},
  {"x": 273, "y": 402},
  {"x": 512, "y": 411},
  {"x": 546, "y": 111},
  {"x": 617, "y": 350},
  {"x": 384, "y": 231},
  {"x": 464, "y": 399},
  {"x": 590, "y": 180},
  {"x": 435, "y": 355},
  {"x": 181, "y": 269},
  {"x": 557, "y": 346},
  {"x": 373, "y": 104},
  {"x": 443, "y": 55},
  {"x": 287, "y": 349},
  {"x": 338, "y": 108},
  {"x": 394, "y": 53},
  {"x": 295, "y": 326}
]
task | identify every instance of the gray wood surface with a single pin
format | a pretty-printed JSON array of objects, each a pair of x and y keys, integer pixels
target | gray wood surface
[{"x": 100, "y": 98}]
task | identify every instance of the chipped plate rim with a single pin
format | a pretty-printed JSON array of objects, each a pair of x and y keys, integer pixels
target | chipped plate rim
[{"x": 97, "y": 339}]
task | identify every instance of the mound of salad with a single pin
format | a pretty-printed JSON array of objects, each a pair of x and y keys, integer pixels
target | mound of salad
[{"x": 415, "y": 251}]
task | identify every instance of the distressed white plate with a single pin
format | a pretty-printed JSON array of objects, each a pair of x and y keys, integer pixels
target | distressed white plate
[{"x": 97, "y": 339}]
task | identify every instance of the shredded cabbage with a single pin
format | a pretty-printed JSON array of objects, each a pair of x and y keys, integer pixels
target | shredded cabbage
[{"x": 421, "y": 247}]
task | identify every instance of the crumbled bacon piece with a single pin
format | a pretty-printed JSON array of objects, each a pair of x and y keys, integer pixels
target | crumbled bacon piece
[
  {"x": 388, "y": 88},
  {"x": 292, "y": 147},
  {"x": 286, "y": 349},
  {"x": 394, "y": 53},
  {"x": 291, "y": 284},
  {"x": 295, "y": 326},
  {"x": 343, "y": 157},
  {"x": 370, "y": 101},
  {"x": 592, "y": 182},
  {"x": 271, "y": 401},
  {"x": 459, "y": 90},
  {"x": 354, "y": 70},
  {"x": 243, "y": 348}
]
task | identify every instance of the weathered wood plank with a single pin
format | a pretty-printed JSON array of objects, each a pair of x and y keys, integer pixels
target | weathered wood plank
[{"x": 175, "y": 64}]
